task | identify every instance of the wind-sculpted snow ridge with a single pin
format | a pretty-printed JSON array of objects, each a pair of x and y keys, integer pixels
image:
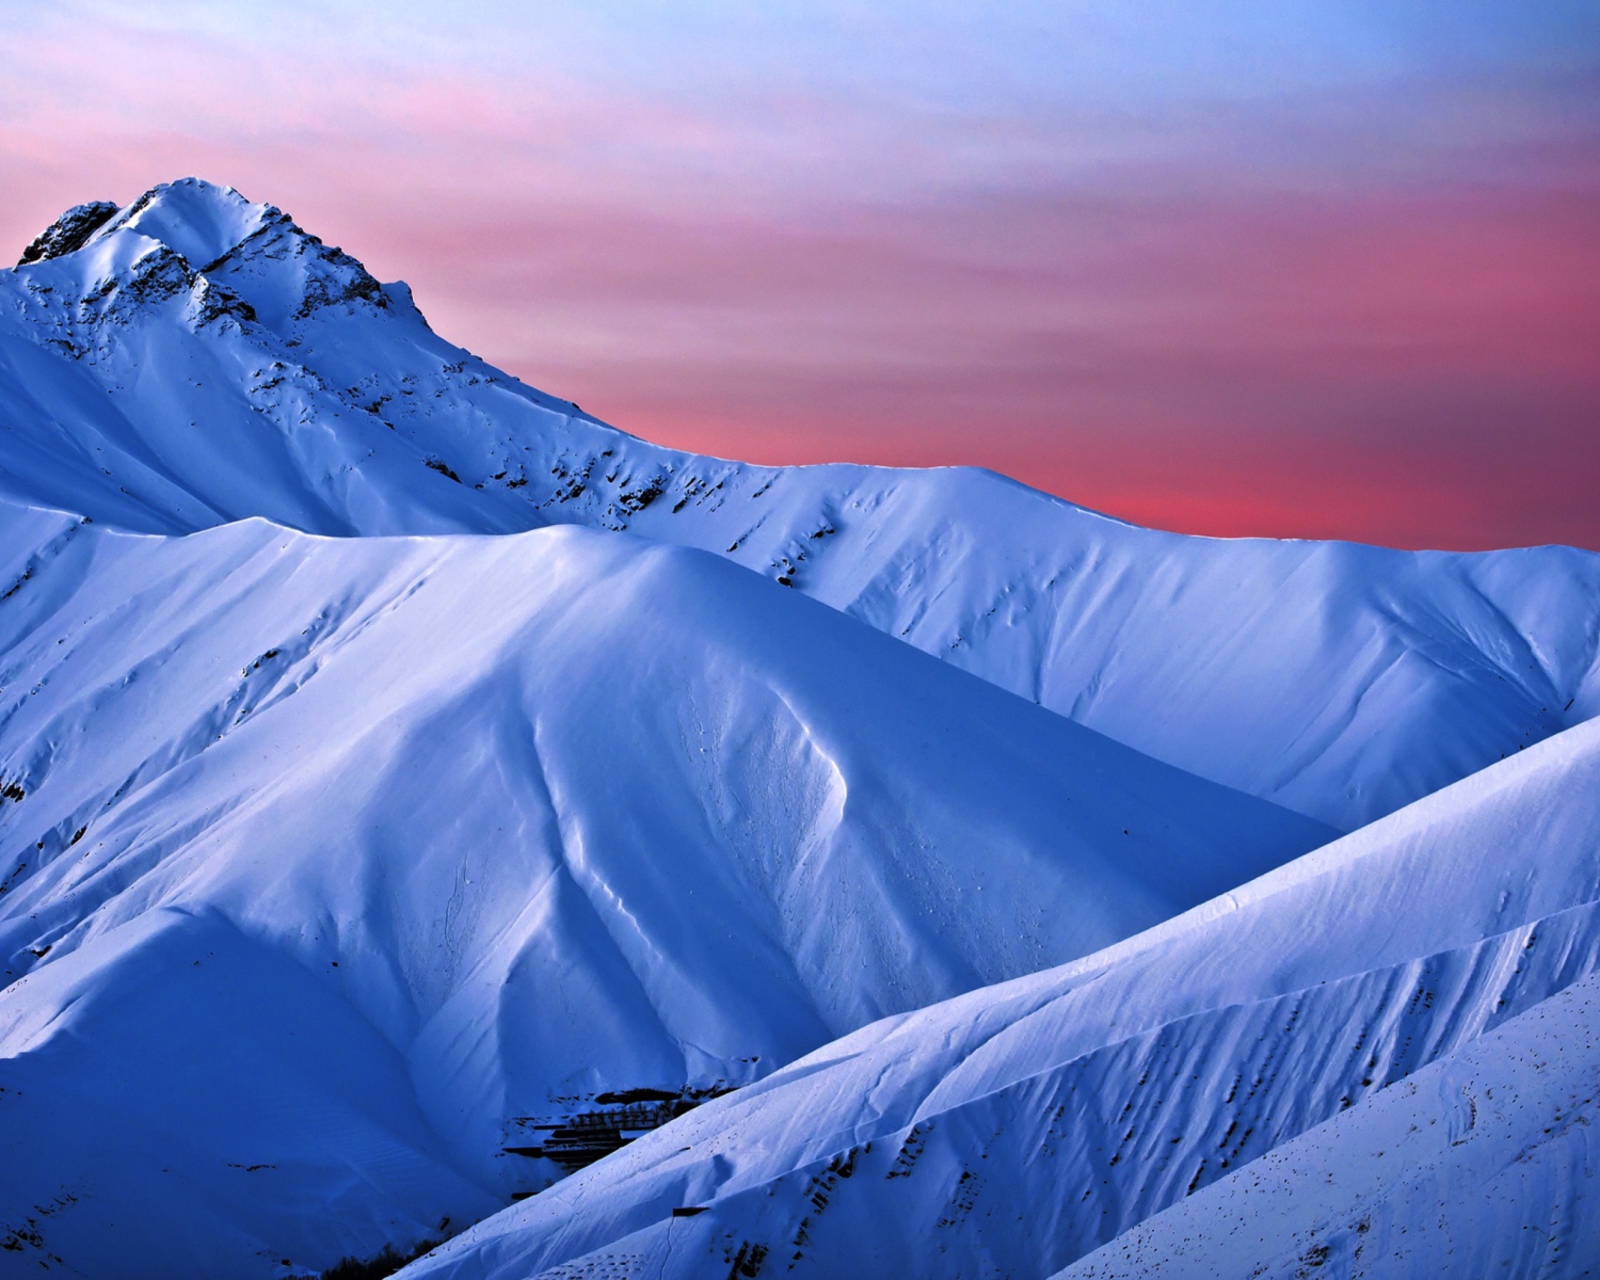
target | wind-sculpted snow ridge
[
  {"x": 196, "y": 358},
  {"x": 344, "y": 882},
  {"x": 1014, "y": 1130}
]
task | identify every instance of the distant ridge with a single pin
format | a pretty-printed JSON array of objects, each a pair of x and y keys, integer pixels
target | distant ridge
[{"x": 201, "y": 359}]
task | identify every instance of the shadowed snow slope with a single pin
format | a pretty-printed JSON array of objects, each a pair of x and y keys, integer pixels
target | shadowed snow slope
[
  {"x": 1011, "y": 1131},
  {"x": 196, "y": 359},
  {"x": 330, "y": 869}
]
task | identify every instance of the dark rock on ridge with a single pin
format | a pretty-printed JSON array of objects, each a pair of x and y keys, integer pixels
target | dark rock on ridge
[{"x": 69, "y": 232}]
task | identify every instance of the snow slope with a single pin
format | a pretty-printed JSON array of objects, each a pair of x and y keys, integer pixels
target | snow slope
[
  {"x": 1484, "y": 1163},
  {"x": 1013, "y": 1130},
  {"x": 331, "y": 868},
  {"x": 196, "y": 358}
]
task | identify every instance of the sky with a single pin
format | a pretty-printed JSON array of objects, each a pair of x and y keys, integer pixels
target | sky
[{"x": 1321, "y": 269}]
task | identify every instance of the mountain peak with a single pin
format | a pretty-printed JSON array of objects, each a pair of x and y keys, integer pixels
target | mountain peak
[
  {"x": 281, "y": 273},
  {"x": 199, "y": 219}
]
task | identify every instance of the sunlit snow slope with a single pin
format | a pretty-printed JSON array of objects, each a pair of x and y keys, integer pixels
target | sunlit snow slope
[
  {"x": 1012, "y": 1131},
  {"x": 332, "y": 868},
  {"x": 196, "y": 358},
  {"x": 1484, "y": 1163}
]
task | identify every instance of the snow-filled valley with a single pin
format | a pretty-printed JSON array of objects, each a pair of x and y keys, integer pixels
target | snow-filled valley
[
  {"x": 1011, "y": 1130},
  {"x": 418, "y": 798}
]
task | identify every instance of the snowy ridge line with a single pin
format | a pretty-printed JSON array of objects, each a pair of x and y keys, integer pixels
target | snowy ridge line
[
  {"x": 1011, "y": 1130},
  {"x": 1341, "y": 681}
]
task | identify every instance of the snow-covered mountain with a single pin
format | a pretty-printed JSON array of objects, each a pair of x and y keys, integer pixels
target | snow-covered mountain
[
  {"x": 1012, "y": 1131},
  {"x": 195, "y": 358},
  {"x": 413, "y": 789},
  {"x": 365, "y": 860}
]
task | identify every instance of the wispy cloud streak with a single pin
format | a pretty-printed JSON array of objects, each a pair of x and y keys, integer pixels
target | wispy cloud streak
[{"x": 1355, "y": 294}]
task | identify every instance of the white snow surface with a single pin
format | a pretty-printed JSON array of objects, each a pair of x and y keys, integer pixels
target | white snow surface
[
  {"x": 1012, "y": 1131},
  {"x": 1484, "y": 1163},
  {"x": 331, "y": 864},
  {"x": 202, "y": 359}
]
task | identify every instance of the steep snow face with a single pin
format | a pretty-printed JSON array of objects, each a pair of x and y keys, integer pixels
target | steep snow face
[
  {"x": 198, "y": 358},
  {"x": 1483, "y": 1163},
  {"x": 1015, "y": 1129},
  {"x": 337, "y": 871}
]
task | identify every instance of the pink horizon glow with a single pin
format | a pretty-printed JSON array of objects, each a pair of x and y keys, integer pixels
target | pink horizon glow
[{"x": 1188, "y": 336}]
